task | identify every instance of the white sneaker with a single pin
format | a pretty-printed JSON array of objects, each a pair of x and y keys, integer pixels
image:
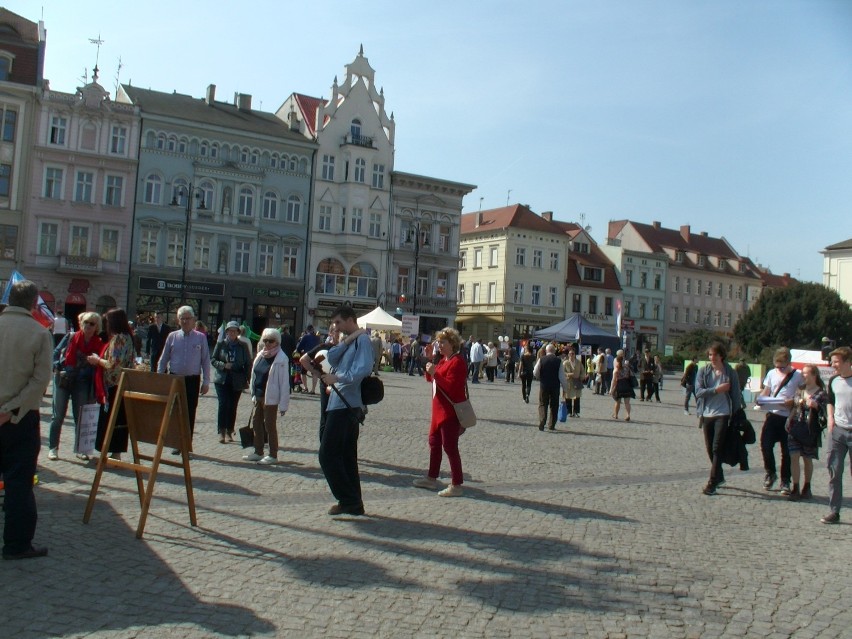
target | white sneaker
[
  {"x": 451, "y": 491},
  {"x": 252, "y": 457},
  {"x": 427, "y": 482},
  {"x": 53, "y": 454},
  {"x": 686, "y": 412},
  {"x": 268, "y": 460}
]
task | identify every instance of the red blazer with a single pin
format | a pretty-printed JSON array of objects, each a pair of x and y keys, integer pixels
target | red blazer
[{"x": 451, "y": 376}]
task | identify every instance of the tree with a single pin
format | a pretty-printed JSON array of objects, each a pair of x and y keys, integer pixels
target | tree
[
  {"x": 694, "y": 343},
  {"x": 797, "y": 316}
]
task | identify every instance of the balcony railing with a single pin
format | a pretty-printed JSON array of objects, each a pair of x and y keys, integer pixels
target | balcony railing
[{"x": 359, "y": 140}]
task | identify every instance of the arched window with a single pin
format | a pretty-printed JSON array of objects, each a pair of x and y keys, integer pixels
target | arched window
[
  {"x": 291, "y": 166},
  {"x": 273, "y": 161},
  {"x": 204, "y": 149},
  {"x": 153, "y": 189},
  {"x": 254, "y": 158},
  {"x": 355, "y": 130},
  {"x": 331, "y": 277},
  {"x": 161, "y": 141},
  {"x": 270, "y": 205},
  {"x": 363, "y": 280},
  {"x": 246, "y": 201},
  {"x": 182, "y": 145},
  {"x": 208, "y": 191},
  {"x": 294, "y": 209},
  {"x": 172, "y": 143},
  {"x": 244, "y": 155},
  {"x": 180, "y": 191},
  {"x": 214, "y": 150}
]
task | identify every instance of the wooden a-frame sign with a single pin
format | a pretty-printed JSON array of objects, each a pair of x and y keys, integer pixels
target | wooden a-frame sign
[{"x": 156, "y": 410}]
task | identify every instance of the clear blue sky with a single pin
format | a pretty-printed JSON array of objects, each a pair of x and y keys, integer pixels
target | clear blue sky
[{"x": 733, "y": 116}]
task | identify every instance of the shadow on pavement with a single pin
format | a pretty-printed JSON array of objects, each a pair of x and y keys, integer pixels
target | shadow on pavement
[{"x": 100, "y": 577}]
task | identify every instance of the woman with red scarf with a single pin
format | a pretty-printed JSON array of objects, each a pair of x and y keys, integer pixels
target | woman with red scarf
[{"x": 449, "y": 384}]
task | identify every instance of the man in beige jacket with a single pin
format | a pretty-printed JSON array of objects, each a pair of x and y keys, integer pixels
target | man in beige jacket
[{"x": 26, "y": 349}]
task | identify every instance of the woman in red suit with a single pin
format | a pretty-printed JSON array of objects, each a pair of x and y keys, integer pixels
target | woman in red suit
[{"x": 449, "y": 375}]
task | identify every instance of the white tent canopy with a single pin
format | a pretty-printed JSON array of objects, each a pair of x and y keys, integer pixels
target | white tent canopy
[{"x": 377, "y": 318}]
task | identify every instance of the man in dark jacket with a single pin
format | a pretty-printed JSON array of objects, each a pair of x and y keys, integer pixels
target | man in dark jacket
[
  {"x": 157, "y": 333},
  {"x": 551, "y": 377},
  {"x": 688, "y": 383}
]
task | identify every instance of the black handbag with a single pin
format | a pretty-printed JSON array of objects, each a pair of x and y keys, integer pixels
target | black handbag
[
  {"x": 372, "y": 390},
  {"x": 247, "y": 432}
]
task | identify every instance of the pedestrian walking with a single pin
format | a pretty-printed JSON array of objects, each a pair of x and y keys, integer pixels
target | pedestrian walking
[
  {"x": 781, "y": 382},
  {"x": 270, "y": 394},
  {"x": 687, "y": 381},
  {"x": 622, "y": 386},
  {"x": 804, "y": 429},
  {"x": 231, "y": 362},
  {"x": 551, "y": 380},
  {"x": 574, "y": 374},
  {"x": 839, "y": 428},
  {"x": 526, "y": 366}
]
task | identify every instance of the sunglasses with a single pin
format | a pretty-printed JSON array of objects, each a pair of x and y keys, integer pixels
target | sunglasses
[
  {"x": 90, "y": 323},
  {"x": 269, "y": 341}
]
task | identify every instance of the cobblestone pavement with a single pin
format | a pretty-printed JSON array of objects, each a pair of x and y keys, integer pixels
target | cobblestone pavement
[{"x": 598, "y": 529}]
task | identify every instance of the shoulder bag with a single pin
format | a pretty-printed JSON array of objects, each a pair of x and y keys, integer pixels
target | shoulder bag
[{"x": 464, "y": 409}]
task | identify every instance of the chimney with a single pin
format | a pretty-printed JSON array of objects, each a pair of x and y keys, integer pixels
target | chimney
[
  {"x": 684, "y": 232},
  {"x": 478, "y": 219},
  {"x": 656, "y": 225},
  {"x": 786, "y": 276},
  {"x": 547, "y": 215},
  {"x": 703, "y": 233},
  {"x": 242, "y": 101},
  {"x": 211, "y": 94},
  {"x": 294, "y": 120}
]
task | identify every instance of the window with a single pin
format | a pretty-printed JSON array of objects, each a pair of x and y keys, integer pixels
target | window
[
  {"x": 717, "y": 319},
  {"x": 244, "y": 155},
  {"x": 242, "y": 255},
  {"x": 627, "y": 307},
  {"x": 402, "y": 280},
  {"x": 642, "y": 310},
  {"x": 709, "y": 289},
  {"x": 492, "y": 255},
  {"x": 84, "y": 186},
  {"x": 180, "y": 192},
  {"x": 554, "y": 261},
  {"x": 537, "y": 258},
  {"x": 171, "y": 143},
  {"x": 113, "y": 191},
  {"x": 5, "y": 67},
  {"x": 174, "y": 247},
  {"x": 707, "y": 318},
  {"x": 266, "y": 259},
  {"x": 518, "y": 295},
  {"x": 422, "y": 281},
  {"x": 343, "y": 219},
  {"x": 461, "y": 293},
  {"x": 728, "y": 320},
  {"x": 378, "y": 176},
  {"x": 5, "y": 179},
  {"x": 270, "y": 206},
  {"x": 148, "y": 246},
  {"x": 607, "y": 306},
  {"x": 701, "y": 261},
  {"x": 462, "y": 260},
  {"x": 360, "y": 170},
  {"x": 328, "y": 167},
  {"x": 730, "y": 291},
  {"x": 698, "y": 288},
  {"x": 246, "y": 204},
  {"x": 492, "y": 292},
  {"x": 254, "y": 157},
  {"x": 719, "y": 289},
  {"x": 355, "y": 130},
  {"x": 476, "y": 293},
  {"x": 593, "y": 304},
  {"x": 161, "y": 142},
  {"x": 678, "y": 256},
  {"x": 109, "y": 245},
  {"x": 375, "y": 225},
  {"x": 331, "y": 277},
  {"x": 48, "y": 238},
  {"x": 289, "y": 259},
  {"x": 53, "y": 183},
  {"x": 294, "y": 209},
  {"x": 535, "y": 298},
  {"x": 208, "y": 189},
  {"x": 658, "y": 280},
  {"x": 9, "y": 241},
  {"x": 576, "y": 302},
  {"x": 204, "y": 149},
  {"x": 675, "y": 315},
  {"x": 118, "y": 140},
  {"x": 643, "y": 280},
  {"x": 688, "y": 285},
  {"x": 153, "y": 189},
  {"x": 686, "y": 316},
  {"x": 696, "y": 316},
  {"x": 628, "y": 277},
  {"x": 739, "y": 292},
  {"x": 201, "y": 253},
  {"x": 655, "y": 312},
  {"x": 444, "y": 238},
  {"x": 554, "y": 296},
  {"x": 214, "y": 150},
  {"x": 324, "y": 222},
  {"x": 477, "y": 258},
  {"x": 593, "y": 274},
  {"x": 79, "y": 246},
  {"x": 677, "y": 284},
  {"x": 357, "y": 220},
  {"x": 363, "y": 280},
  {"x": 10, "y": 120},
  {"x": 581, "y": 247},
  {"x": 58, "y": 128},
  {"x": 520, "y": 257}
]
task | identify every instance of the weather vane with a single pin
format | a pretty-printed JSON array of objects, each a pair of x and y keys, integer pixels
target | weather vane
[{"x": 98, "y": 42}]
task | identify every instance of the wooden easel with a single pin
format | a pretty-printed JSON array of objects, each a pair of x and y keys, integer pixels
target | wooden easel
[{"x": 156, "y": 410}]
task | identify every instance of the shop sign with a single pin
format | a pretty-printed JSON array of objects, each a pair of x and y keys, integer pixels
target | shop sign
[{"x": 174, "y": 286}]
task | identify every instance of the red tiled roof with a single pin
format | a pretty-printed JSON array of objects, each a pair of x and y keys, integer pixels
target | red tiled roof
[
  {"x": 515, "y": 216},
  {"x": 308, "y": 106},
  {"x": 768, "y": 278},
  {"x": 659, "y": 238},
  {"x": 594, "y": 258}
]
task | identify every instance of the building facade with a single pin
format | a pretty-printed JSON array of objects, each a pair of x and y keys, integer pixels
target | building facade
[
  {"x": 837, "y": 269},
  {"x": 80, "y": 218},
  {"x": 222, "y": 211},
  {"x": 22, "y": 47}
]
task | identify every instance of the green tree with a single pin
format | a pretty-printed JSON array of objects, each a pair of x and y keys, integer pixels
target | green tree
[
  {"x": 694, "y": 343},
  {"x": 798, "y": 316}
]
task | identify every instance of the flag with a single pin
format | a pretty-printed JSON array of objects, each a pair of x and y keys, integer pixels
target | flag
[
  {"x": 618, "y": 317},
  {"x": 42, "y": 313}
]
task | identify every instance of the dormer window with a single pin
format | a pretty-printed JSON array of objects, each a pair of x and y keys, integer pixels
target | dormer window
[
  {"x": 679, "y": 257},
  {"x": 581, "y": 247},
  {"x": 742, "y": 267},
  {"x": 592, "y": 274},
  {"x": 701, "y": 260},
  {"x": 722, "y": 263},
  {"x": 6, "y": 60}
]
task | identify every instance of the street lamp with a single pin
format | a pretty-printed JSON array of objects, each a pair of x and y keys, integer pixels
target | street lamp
[
  {"x": 414, "y": 237},
  {"x": 189, "y": 192}
]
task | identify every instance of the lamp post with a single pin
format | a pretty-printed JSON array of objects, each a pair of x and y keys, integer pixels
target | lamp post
[
  {"x": 414, "y": 236},
  {"x": 189, "y": 192}
]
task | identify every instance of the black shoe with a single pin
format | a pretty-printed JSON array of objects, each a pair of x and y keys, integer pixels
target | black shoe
[
  {"x": 339, "y": 509},
  {"x": 794, "y": 494},
  {"x": 830, "y": 518},
  {"x": 541, "y": 427},
  {"x": 769, "y": 480},
  {"x": 175, "y": 451},
  {"x": 806, "y": 492},
  {"x": 31, "y": 553},
  {"x": 709, "y": 489}
]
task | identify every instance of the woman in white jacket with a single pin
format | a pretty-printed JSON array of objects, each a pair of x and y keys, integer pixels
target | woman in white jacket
[{"x": 270, "y": 393}]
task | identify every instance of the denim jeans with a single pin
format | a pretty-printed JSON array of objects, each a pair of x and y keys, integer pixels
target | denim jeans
[
  {"x": 840, "y": 442},
  {"x": 79, "y": 394},
  {"x": 19, "y": 446}
]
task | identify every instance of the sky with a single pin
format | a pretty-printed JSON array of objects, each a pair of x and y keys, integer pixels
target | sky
[{"x": 732, "y": 116}]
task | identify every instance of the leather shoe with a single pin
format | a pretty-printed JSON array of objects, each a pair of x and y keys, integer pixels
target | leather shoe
[
  {"x": 339, "y": 509},
  {"x": 31, "y": 553}
]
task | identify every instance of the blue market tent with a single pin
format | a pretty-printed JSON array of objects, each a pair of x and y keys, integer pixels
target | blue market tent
[{"x": 577, "y": 329}]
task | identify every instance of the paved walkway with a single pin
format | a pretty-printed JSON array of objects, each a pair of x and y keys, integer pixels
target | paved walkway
[{"x": 596, "y": 530}]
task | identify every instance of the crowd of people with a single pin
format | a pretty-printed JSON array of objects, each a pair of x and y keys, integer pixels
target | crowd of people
[{"x": 87, "y": 364}]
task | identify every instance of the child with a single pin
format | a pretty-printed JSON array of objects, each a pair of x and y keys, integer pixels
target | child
[{"x": 296, "y": 373}]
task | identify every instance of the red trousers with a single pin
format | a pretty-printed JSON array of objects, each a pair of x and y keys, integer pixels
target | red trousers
[{"x": 446, "y": 438}]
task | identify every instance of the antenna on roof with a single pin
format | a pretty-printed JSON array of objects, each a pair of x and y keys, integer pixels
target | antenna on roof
[
  {"x": 480, "y": 203},
  {"x": 97, "y": 42},
  {"x": 508, "y": 195},
  {"x": 117, "y": 74},
  {"x": 583, "y": 222}
]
